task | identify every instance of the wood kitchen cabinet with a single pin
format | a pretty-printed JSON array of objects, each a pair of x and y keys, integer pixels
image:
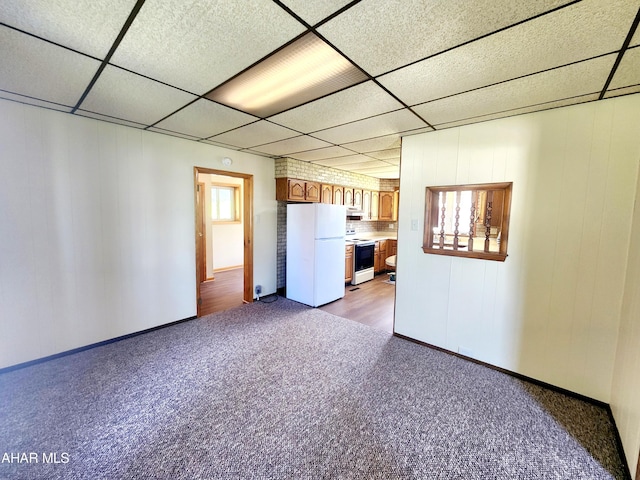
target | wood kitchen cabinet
[
  {"x": 338, "y": 195},
  {"x": 366, "y": 205},
  {"x": 326, "y": 193},
  {"x": 375, "y": 205},
  {"x": 379, "y": 256},
  {"x": 396, "y": 202},
  {"x": 357, "y": 198},
  {"x": 386, "y": 206},
  {"x": 294, "y": 190},
  {"x": 312, "y": 191},
  {"x": 348, "y": 263},
  {"x": 392, "y": 247},
  {"x": 348, "y": 196}
]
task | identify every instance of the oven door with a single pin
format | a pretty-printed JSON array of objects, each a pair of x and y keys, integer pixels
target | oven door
[{"x": 363, "y": 257}]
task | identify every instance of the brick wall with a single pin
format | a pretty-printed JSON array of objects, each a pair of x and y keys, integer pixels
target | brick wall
[{"x": 288, "y": 167}]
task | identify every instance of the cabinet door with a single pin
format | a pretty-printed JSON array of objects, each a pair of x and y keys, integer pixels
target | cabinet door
[
  {"x": 312, "y": 191},
  {"x": 376, "y": 258},
  {"x": 382, "y": 256},
  {"x": 296, "y": 190},
  {"x": 348, "y": 197},
  {"x": 348, "y": 263},
  {"x": 338, "y": 195},
  {"x": 392, "y": 247},
  {"x": 396, "y": 202},
  {"x": 375, "y": 204},
  {"x": 357, "y": 198},
  {"x": 326, "y": 194},
  {"x": 386, "y": 206},
  {"x": 366, "y": 204}
]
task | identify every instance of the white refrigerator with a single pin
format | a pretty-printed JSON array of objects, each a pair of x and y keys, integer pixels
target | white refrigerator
[{"x": 315, "y": 252}]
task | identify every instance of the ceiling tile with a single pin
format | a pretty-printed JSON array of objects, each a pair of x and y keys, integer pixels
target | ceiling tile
[
  {"x": 373, "y": 144},
  {"x": 635, "y": 41},
  {"x": 380, "y": 35},
  {"x": 521, "y": 111},
  {"x": 571, "y": 81},
  {"x": 385, "y": 154},
  {"x": 204, "y": 118},
  {"x": 320, "y": 153},
  {"x": 66, "y": 22},
  {"x": 361, "y": 101},
  {"x": 254, "y": 134},
  {"x": 376, "y": 169},
  {"x": 355, "y": 167},
  {"x": 575, "y": 33},
  {"x": 314, "y": 12},
  {"x": 346, "y": 160},
  {"x": 122, "y": 94},
  {"x": 628, "y": 72},
  {"x": 42, "y": 70},
  {"x": 197, "y": 45},
  {"x": 34, "y": 101},
  {"x": 292, "y": 145},
  {"x": 386, "y": 124}
]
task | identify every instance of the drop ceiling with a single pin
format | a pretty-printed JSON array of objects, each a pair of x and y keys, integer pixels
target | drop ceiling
[{"x": 422, "y": 66}]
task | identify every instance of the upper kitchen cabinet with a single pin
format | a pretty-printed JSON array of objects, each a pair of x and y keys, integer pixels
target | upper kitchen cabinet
[
  {"x": 326, "y": 193},
  {"x": 338, "y": 195},
  {"x": 375, "y": 205},
  {"x": 293, "y": 190},
  {"x": 386, "y": 206},
  {"x": 366, "y": 204},
  {"x": 348, "y": 196},
  {"x": 357, "y": 198}
]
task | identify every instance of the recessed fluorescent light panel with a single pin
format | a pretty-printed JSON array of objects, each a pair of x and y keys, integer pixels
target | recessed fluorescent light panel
[{"x": 302, "y": 71}]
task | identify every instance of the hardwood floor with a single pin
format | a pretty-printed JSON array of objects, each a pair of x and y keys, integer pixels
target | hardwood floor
[
  {"x": 371, "y": 303},
  {"x": 223, "y": 293}
]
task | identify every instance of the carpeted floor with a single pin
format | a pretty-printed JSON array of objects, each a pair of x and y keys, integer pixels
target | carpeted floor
[{"x": 285, "y": 391}]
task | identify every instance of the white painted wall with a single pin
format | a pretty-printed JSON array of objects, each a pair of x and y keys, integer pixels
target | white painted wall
[
  {"x": 97, "y": 229},
  {"x": 625, "y": 395},
  {"x": 552, "y": 309},
  {"x": 225, "y": 241}
]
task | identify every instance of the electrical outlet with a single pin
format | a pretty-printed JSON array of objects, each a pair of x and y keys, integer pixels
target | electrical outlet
[{"x": 258, "y": 289}]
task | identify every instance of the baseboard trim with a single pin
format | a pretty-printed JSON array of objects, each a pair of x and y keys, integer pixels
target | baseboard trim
[
  {"x": 540, "y": 383},
  {"x": 48, "y": 358}
]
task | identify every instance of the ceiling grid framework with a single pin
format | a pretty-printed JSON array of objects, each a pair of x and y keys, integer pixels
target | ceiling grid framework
[{"x": 423, "y": 65}]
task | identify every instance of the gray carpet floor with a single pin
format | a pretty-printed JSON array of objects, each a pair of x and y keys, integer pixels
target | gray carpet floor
[{"x": 281, "y": 390}]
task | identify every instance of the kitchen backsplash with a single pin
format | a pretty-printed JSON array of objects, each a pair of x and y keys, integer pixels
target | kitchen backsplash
[{"x": 365, "y": 226}]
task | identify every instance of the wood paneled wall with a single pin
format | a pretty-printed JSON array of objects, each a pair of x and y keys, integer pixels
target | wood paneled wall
[
  {"x": 552, "y": 309},
  {"x": 97, "y": 229},
  {"x": 563, "y": 308}
]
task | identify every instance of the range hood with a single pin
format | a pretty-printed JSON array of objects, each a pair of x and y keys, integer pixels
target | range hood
[{"x": 354, "y": 212}]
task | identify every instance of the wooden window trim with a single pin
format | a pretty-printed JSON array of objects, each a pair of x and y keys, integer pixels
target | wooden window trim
[{"x": 431, "y": 218}]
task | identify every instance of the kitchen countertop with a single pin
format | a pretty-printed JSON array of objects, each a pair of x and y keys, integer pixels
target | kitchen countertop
[{"x": 373, "y": 236}]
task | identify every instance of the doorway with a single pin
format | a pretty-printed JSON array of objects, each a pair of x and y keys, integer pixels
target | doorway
[{"x": 205, "y": 275}]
